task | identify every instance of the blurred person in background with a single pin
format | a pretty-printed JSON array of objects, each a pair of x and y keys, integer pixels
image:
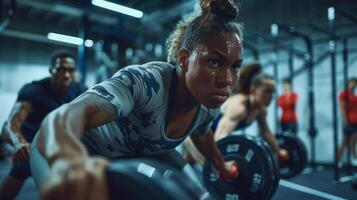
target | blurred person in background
[
  {"x": 348, "y": 107},
  {"x": 34, "y": 101},
  {"x": 287, "y": 102}
]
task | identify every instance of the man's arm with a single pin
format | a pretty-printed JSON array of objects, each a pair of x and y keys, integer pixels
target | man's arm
[
  {"x": 12, "y": 128},
  {"x": 12, "y": 133}
]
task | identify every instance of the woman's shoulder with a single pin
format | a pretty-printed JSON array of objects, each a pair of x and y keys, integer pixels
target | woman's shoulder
[
  {"x": 160, "y": 64},
  {"x": 149, "y": 70},
  {"x": 235, "y": 101},
  {"x": 238, "y": 99}
]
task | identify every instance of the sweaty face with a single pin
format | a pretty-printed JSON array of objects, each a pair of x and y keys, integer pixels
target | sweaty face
[
  {"x": 64, "y": 72},
  {"x": 265, "y": 92},
  {"x": 213, "y": 68}
]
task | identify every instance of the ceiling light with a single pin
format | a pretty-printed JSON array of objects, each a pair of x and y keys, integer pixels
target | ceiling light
[
  {"x": 69, "y": 39},
  {"x": 118, "y": 8}
]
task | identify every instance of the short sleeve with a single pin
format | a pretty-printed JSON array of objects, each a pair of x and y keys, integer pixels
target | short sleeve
[
  {"x": 82, "y": 88},
  {"x": 129, "y": 87},
  {"x": 26, "y": 93}
]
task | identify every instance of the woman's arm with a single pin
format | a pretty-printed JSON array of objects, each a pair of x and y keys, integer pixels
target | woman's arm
[
  {"x": 73, "y": 174},
  {"x": 60, "y": 133},
  {"x": 207, "y": 146},
  {"x": 265, "y": 131},
  {"x": 233, "y": 113}
]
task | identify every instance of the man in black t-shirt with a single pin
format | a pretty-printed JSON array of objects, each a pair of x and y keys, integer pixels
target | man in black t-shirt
[{"x": 35, "y": 100}]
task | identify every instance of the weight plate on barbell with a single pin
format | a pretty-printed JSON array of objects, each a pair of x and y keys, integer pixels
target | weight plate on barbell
[
  {"x": 297, "y": 155},
  {"x": 274, "y": 162},
  {"x": 143, "y": 179},
  {"x": 255, "y": 171}
]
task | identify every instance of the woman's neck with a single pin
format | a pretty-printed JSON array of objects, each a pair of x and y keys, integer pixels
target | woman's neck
[{"x": 183, "y": 100}]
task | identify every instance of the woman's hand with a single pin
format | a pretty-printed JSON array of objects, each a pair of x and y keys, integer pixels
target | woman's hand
[
  {"x": 230, "y": 171},
  {"x": 77, "y": 179},
  {"x": 283, "y": 155}
]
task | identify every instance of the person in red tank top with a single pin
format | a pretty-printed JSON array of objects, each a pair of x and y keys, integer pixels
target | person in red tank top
[
  {"x": 348, "y": 107},
  {"x": 287, "y": 102}
]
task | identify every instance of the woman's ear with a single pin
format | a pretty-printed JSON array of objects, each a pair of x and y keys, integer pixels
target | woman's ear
[{"x": 183, "y": 59}]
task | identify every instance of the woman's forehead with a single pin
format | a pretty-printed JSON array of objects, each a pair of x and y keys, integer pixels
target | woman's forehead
[
  {"x": 225, "y": 39},
  {"x": 225, "y": 43}
]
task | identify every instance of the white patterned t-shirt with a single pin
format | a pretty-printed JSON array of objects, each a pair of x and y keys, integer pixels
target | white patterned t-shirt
[{"x": 142, "y": 96}]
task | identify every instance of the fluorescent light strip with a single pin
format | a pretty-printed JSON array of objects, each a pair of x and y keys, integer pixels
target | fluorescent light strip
[
  {"x": 331, "y": 13},
  {"x": 118, "y": 8},
  {"x": 69, "y": 39},
  {"x": 65, "y": 38}
]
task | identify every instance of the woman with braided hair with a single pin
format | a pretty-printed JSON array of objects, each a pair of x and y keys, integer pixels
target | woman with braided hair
[{"x": 144, "y": 110}]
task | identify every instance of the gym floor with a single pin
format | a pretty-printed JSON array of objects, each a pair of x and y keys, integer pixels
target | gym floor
[
  {"x": 311, "y": 185},
  {"x": 317, "y": 184}
]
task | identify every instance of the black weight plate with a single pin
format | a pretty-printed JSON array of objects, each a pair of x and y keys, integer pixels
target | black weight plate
[
  {"x": 255, "y": 176},
  {"x": 271, "y": 166},
  {"x": 148, "y": 179},
  {"x": 274, "y": 162},
  {"x": 297, "y": 155}
]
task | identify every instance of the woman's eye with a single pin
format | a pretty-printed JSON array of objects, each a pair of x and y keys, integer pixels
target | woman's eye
[
  {"x": 235, "y": 68},
  {"x": 213, "y": 62}
]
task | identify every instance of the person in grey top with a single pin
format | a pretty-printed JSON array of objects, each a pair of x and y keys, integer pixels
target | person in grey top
[
  {"x": 143, "y": 97},
  {"x": 145, "y": 109}
]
